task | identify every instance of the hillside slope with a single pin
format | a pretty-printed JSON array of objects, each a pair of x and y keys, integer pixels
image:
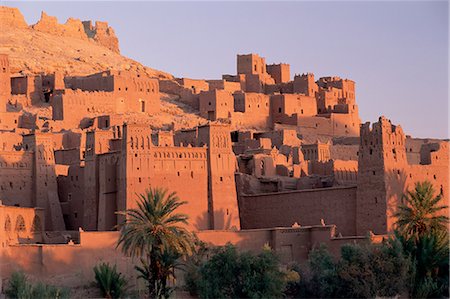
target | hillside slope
[{"x": 32, "y": 50}]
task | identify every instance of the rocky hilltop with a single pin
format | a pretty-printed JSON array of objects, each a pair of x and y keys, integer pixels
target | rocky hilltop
[{"x": 73, "y": 48}]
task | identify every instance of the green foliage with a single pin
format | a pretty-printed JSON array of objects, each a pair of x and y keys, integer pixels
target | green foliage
[
  {"x": 19, "y": 287},
  {"x": 419, "y": 215},
  {"x": 363, "y": 271},
  {"x": 111, "y": 283},
  {"x": 230, "y": 274},
  {"x": 423, "y": 232},
  {"x": 156, "y": 235}
]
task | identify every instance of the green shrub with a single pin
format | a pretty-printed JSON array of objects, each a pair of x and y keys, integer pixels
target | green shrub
[
  {"x": 111, "y": 283},
  {"x": 19, "y": 287},
  {"x": 231, "y": 274}
]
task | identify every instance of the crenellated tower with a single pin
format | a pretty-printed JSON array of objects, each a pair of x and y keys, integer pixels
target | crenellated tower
[
  {"x": 222, "y": 198},
  {"x": 381, "y": 176},
  {"x": 305, "y": 84}
]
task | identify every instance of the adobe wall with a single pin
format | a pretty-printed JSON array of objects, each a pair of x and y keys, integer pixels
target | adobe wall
[
  {"x": 305, "y": 84},
  {"x": 251, "y": 109},
  {"x": 186, "y": 95},
  {"x": 216, "y": 104},
  {"x": 71, "y": 265},
  {"x": 223, "y": 205},
  {"x": 19, "y": 224},
  {"x": 144, "y": 166},
  {"x": 384, "y": 174},
  {"x": 344, "y": 152},
  {"x": 225, "y": 85},
  {"x": 335, "y": 125},
  {"x": 16, "y": 178},
  {"x": 251, "y": 64},
  {"x": 280, "y": 72},
  {"x": 132, "y": 91},
  {"x": 306, "y": 207},
  {"x": 5, "y": 83},
  {"x": 9, "y": 121},
  {"x": 286, "y": 105},
  {"x": 71, "y": 196}
]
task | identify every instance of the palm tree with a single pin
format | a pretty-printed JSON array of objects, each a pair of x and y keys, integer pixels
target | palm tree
[
  {"x": 423, "y": 231},
  {"x": 157, "y": 235},
  {"x": 420, "y": 213}
]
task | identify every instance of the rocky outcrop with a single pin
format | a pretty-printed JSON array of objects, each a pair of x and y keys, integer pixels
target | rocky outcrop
[
  {"x": 102, "y": 34},
  {"x": 11, "y": 17},
  {"x": 72, "y": 28},
  {"x": 75, "y": 48}
]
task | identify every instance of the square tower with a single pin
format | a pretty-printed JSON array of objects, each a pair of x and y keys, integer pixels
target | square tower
[
  {"x": 5, "y": 82},
  {"x": 281, "y": 72},
  {"x": 251, "y": 64}
]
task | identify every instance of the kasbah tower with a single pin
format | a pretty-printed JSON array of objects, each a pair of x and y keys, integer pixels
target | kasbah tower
[{"x": 261, "y": 157}]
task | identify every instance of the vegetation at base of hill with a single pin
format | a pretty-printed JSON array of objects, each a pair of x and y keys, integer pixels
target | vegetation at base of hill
[
  {"x": 413, "y": 261},
  {"x": 20, "y": 287},
  {"x": 362, "y": 271},
  {"x": 229, "y": 273},
  {"x": 157, "y": 235},
  {"x": 111, "y": 283}
]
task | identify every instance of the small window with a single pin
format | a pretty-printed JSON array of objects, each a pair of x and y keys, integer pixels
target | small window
[
  {"x": 279, "y": 110},
  {"x": 221, "y": 179},
  {"x": 373, "y": 172}
]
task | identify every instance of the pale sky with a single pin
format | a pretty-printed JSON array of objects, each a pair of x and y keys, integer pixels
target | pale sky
[{"x": 396, "y": 52}]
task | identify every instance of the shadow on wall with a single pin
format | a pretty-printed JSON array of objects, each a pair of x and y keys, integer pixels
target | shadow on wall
[
  {"x": 220, "y": 218},
  {"x": 396, "y": 186}
]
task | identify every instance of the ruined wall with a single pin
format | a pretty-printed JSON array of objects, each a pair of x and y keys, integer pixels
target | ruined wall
[
  {"x": 306, "y": 207},
  {"x": 72, "y": 27},
  {"x": 186, "y": 95},
  {"x": 102, "y": 34}
]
